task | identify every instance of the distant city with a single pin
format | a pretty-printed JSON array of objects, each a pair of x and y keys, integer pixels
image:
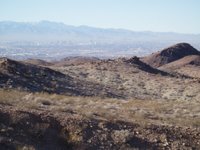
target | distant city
[{"x": 52, "y": 40}]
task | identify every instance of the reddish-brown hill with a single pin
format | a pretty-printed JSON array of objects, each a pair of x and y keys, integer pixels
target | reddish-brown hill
[{"x": 170, "y": 54}]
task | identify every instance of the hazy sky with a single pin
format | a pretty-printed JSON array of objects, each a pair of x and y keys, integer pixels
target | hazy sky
[{"x": 139, "y": 15}]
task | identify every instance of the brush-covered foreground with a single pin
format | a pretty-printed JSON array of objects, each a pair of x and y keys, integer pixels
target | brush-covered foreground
[{"x": 50, "y": 121}]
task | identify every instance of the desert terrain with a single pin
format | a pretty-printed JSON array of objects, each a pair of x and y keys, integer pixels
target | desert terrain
[{"x": 150, "y": 102}]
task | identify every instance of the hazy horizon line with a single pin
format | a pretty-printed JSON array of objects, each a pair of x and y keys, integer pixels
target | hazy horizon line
[{"x": 97, "y": 27}]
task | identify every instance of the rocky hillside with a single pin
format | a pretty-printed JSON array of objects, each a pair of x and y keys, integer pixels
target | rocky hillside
[
  {"x": 134, "y": 79},
  {"x": 88, "y": 103},
  {"x": 137, "y": 63},
  {"x": 41, "y": 130},
  {"x": 170, "y": 54},
  {"x": 120, "y": 78},
  {"x": 34, "y": 78}
]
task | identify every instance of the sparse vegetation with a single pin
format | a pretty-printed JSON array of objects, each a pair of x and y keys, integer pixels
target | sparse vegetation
[
  {"x": 86, "y": 121},
  {"x": 98, "y": 104},
  {"x": 166, "y": 112}
]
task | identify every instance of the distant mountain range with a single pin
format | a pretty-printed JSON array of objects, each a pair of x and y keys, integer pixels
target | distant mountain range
[
  {"x": 50, "y": 31},
  {"x": 49, "y": 40}
]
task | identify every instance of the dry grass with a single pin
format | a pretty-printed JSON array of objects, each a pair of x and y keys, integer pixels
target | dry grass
[
  {"x": 190, "y": 70},
  {"x": 135, "y": 82},
  {"x": 171, "y": 112}
]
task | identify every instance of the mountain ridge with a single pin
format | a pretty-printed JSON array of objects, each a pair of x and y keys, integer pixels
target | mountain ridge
[
  {"x": 54, "y": 28},
  {"x": 61, "y": 24}
]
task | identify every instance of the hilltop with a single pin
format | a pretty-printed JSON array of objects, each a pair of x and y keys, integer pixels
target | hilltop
[{"x": 170, "y": 54}]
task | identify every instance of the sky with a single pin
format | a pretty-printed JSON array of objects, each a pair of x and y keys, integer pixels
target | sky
[{"x": 181, "y": 16}]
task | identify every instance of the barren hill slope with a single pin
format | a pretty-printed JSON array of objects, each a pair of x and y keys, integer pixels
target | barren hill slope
[
  {"x": 170, "y": 54},
  {"x": 189, "y": 65},
  {"x": 134, "y": 79},
  {"x": 188, "y": 60},
  {"x": 14, "y": 74}
]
